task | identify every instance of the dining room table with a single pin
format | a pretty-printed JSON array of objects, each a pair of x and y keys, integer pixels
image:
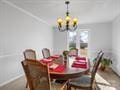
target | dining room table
[{"x": 69, "y": 71}]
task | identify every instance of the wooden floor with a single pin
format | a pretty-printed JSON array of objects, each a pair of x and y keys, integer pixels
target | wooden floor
[{"x": 107, "y": 80}]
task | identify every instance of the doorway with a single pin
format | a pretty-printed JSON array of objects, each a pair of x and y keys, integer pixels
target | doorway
[
  {"x": 79, "y": 39},
  {"x": 83, "y": 43}
]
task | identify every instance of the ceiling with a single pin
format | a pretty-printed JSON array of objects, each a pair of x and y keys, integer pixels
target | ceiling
[{"x": 87, "y": 11}]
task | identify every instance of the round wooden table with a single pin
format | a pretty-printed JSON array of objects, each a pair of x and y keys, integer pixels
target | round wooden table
[{"x": 69, "y": 71}]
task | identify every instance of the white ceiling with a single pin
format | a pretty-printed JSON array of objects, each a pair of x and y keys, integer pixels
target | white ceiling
[{"x": 87, "y": 11}]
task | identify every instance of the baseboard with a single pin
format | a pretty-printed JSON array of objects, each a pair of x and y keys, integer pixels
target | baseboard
[
  {"x": 6, "y": 82},
  {"x": 115, "y": 71}
]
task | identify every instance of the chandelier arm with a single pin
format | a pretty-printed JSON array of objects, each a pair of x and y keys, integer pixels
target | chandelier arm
[
  {"x": 61, "y": 30},
  {"x": 73, "y": 28}
]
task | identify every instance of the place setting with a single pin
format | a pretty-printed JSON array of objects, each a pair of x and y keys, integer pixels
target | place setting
[
  {"x": 56, "y": 67},
  {"x": 80, "y": 62}
]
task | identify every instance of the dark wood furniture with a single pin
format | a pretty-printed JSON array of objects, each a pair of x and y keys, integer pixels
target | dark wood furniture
[
  {"x": 46, "y": 52},
  {"x": 94, "y": 62},
  {"x": 69, "y": 72},
  {"x": 86, "y": 81},
  {"x": 38, "y": 76}
]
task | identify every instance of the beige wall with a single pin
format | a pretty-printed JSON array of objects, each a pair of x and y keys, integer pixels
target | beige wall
[
  {"x": 100, "y": 38},
  {"x": 18, "y": 31}
]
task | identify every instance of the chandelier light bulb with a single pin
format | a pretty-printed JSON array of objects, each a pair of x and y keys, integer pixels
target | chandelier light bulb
[
  {"x": 75, "y": 20},
  {"x": 59, "y": 20},
  {"x": 67, "y": 24},
  {"x": 67, "y": 18}
]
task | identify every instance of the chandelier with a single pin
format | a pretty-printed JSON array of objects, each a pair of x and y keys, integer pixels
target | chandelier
[{"x": 68, "y": 24}]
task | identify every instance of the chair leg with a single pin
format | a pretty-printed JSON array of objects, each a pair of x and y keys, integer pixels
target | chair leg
[
  {"x": 94, "y": 86},
  {"x": 68, "y": 87},
  {"x": 27, "y": 85}
]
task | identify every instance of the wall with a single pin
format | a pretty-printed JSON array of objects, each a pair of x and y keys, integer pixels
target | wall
[
  {"x": 116, "y": 45},
  {"x": 18, "y": 31},
  {"x": 100, "y": 38},
  {"x": 59, "y": 41}
]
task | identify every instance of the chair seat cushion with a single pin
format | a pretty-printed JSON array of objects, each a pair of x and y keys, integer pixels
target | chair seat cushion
[{"x": 83, "y": 81}]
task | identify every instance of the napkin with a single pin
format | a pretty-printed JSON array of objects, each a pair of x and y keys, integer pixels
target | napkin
[
  {"x": 55, "y": 56},
  {"x": 81, "y": 61},
  {"x": 79, "y": 64},
  {"x": 80, "y": 58},
  {"x": 46, "y": 60},
  {"x": 53, "y": 66},
  {"x": 59, "y": 68}
]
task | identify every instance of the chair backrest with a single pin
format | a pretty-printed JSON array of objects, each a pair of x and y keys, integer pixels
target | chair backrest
[
  {"x": 46, "y": 53},
  {"x": 37, "y": 75},
  {"x": 29, "y": 54},
  {"x": 97, "y": 57},
  {"x": 95, "y": 67},
  {"x": 73, "y": 52},
  {"x": 99, "y": 52}
]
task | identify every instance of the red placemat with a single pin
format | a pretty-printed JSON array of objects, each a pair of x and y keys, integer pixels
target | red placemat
[
  {"x": 46, "y": 61},
  {"x": 55, "y": 56},
  {"x": 79, "y": 65},
  {"x": 59, "y": 68}
]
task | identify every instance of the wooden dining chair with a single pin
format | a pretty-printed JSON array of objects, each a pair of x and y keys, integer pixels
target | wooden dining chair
[
  {"x": 29, "y": 54},
  {"x": 95, "y": 60},
  {"x": 46, "y": 52},
  {"x": 73, "y": 52},
  {"x": 99, "y": 52},
  {"x": 86, "y": 82},
  {"x": 38, "y": 76}
]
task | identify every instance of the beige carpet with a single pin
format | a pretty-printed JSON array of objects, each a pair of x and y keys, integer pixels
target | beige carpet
[{"x": 106, "y": 81}]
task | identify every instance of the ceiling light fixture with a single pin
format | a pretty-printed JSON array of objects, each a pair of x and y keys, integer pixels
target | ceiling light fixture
[{"x": 68, "y": 24}]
